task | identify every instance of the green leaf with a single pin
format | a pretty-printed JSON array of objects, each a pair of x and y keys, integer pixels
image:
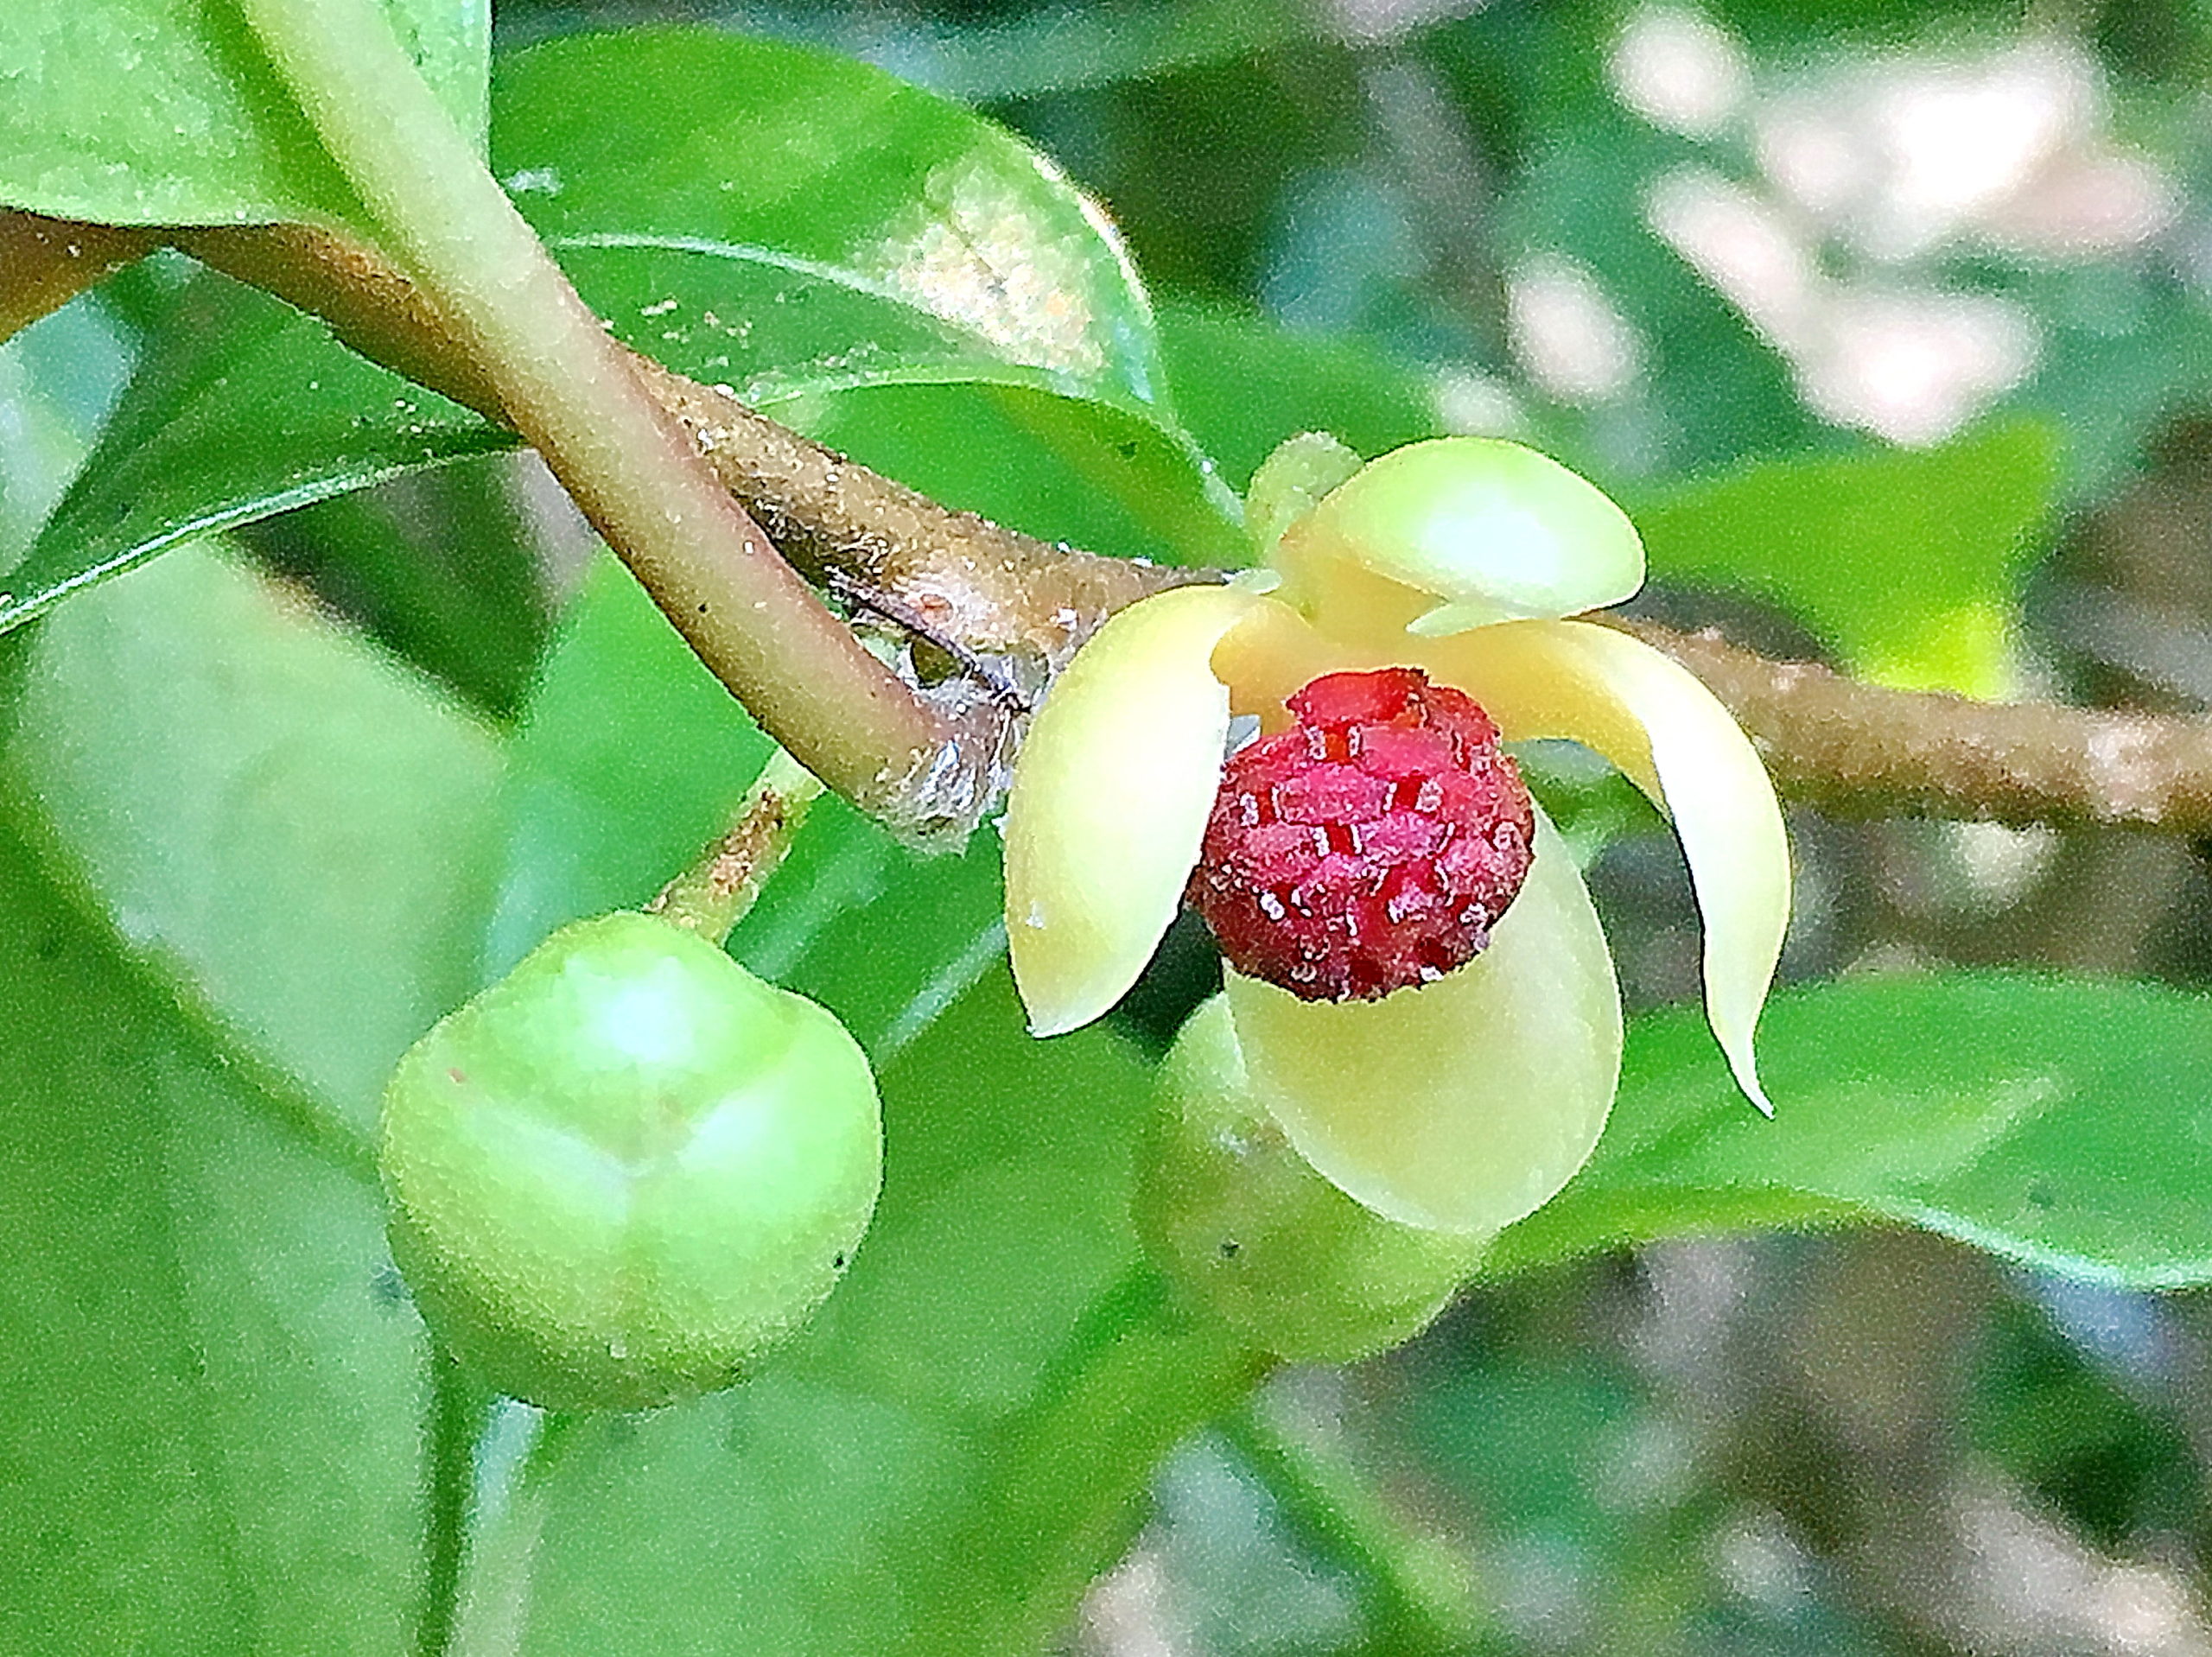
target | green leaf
[
  {"x": 960, "y": 1440},
  {"x": 795, "y": 226},
  {"x": 712, "y": 227},
  {"x": 243, "y": 409},
  {"x": 163, "y": 112},
  {"x": 243, "y": 861},
  {"x": 1028, "y": 54},
  {"x": 296, "y": 833},
  {"x": 1243, "y": 384},
  {"x": 2059, "y": 1122},
  {"x": 2045, "y": 1412},
  {"x": 444, "y": 569},
  {"x": 1909, "y": 562},
  {"x": 212, "y": 1397},
  {"x": 57, "y": 380}
]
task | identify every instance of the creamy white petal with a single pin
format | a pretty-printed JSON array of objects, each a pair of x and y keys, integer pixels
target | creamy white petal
[
  {"x": 1464, "y": 1104},
  {"x": 1471, "y": 530},
  {"x": 1673, "y": 740},
  {"x": 1109, "y": 801}
]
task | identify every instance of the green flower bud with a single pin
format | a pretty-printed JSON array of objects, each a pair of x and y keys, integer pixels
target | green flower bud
[
  {"x": 1244, "y": 1225},
  {"x": 1293, "y": 481},
  {"x": 625, "y": 1168}
]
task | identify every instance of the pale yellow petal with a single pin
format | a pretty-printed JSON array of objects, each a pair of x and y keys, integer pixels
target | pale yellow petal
[
  {"x": 1467, "y": 531},
  {"x": 1110, "y": 802},
  {"x": 1272, "y": 655},
  {"x": 1464, "y": 1104},
  {"x": 1665, "y": 731}
]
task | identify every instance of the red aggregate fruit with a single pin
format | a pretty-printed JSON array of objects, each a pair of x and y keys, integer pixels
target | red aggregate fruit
[{"x": 1372, "y": 846}]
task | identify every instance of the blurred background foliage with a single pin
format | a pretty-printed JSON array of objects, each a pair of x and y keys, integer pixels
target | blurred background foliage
[{"x": 1935, "y": 277}]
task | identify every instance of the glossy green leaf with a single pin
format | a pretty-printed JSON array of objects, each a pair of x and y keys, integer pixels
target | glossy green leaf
[
  {"x": 293, "y": 831},
  {"x": 164, "y": 113},
  {"x": 2061, "y": 1122},
  {"x": 959, "y": 1441},
  {"x": 1909, "y": 562},
  {"x": 881, "y": 268},
  {"x": 1243, "y": 384},
  {"x": 242, "y": 863},
  {"x": 244, "y": 408},
  {"x": 784, "y": 182},
  {"x": 213, "y": 1393}
]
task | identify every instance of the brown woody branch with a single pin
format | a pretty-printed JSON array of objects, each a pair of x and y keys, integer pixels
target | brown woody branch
[
  {"x": 45, "y": 262},
  {"x": 969, "y": 584},
  {"x": 1010, "y": 608}
]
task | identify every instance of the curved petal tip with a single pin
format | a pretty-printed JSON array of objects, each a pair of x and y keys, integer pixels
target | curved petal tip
[
  {"x": 1493, "y": 529},
  {"x": 1658, "y": 723}
]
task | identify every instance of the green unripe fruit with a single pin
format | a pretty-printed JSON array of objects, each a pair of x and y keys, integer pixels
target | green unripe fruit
[
  {"x": 1247, "y": 1227},
  {"x": 629, "y": 1165}
]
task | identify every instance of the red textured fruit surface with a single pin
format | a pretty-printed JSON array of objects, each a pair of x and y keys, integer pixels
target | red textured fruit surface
[{"x": 1372, "y": 846}]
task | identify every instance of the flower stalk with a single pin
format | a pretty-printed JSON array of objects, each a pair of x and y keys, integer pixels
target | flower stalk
[{"x": 716, "y": 892}]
